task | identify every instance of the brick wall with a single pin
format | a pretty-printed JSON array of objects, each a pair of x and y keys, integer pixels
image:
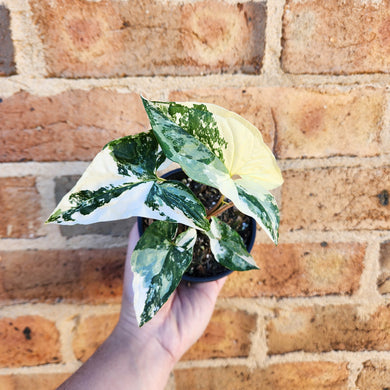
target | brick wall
[{"x": 312, "y": 75}]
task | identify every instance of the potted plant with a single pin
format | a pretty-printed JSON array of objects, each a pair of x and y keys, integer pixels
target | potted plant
[{"x": 214, "y": 147}]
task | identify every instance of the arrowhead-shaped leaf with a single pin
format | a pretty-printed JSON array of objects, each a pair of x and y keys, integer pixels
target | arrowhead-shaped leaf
[
  {"x": 228, "y": 247},
  {"x": 121, "y": 182},
  {"x": 159, "y": 262},
  {"x": 249, "y": 169}
]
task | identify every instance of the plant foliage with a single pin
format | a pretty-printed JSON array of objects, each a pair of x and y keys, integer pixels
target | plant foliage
[{"x": 213, "y": 146}]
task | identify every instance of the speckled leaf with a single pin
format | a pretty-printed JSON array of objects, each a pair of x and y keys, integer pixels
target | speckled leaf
[
  {"x": 259, "y": 204},
  {"x": 198, "y": 121},
  {"x": 250, "y": 169},
  {"x": 121, "y": 183},
  {"x": 137, "y": 155},
  {"x": 228, "y": 247},
  {"x": 196, "y": 159},
  {"x": 159, "y": 261}
]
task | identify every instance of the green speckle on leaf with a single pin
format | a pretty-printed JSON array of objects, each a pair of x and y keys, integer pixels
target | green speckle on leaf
[
  {"x": 197, "y": 121},
  {"x": 55, "y": 216},
  {"x": 86, "y": 201},
  {"x": 137, "y": 155}
]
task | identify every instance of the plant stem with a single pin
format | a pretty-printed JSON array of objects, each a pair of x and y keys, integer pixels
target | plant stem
[
  {"x": 211, "y": 211},
  {"x": 221, "y": 210}
]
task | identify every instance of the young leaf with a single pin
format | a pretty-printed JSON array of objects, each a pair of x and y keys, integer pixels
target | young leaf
[
  {"x": 228, "y": 247},
  {"x": 159, "y": 262},
  {"x": 121, "y": 182}
]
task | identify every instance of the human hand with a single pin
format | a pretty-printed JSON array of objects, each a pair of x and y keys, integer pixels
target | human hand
[
  {"x": 142, "y": 358},
  {"x": 180, "y": 322}
]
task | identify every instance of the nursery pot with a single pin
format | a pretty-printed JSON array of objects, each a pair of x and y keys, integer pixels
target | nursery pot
[{"x": 204, "y": 267}]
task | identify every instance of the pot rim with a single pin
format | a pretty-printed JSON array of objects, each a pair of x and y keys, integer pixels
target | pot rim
[{"x": 211, "y": 278}]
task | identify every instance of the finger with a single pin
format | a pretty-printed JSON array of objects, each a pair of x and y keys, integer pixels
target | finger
[{"x": 133, "y": 239}]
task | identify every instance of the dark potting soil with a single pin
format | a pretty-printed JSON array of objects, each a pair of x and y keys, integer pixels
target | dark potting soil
[{"x": 203, "y": 262}]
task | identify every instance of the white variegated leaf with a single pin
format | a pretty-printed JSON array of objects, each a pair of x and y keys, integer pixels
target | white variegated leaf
[
  {"x": 159, "y": 262},
  {"x": 228, "y": 247},
  {"x": 121, "y": 183},
  {"x": 197, "y": 161},
  {"x": 249, "y": 169}
]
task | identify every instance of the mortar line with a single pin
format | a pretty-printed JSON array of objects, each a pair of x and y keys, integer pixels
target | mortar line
[
  {"x": 67, "y": 168},
  {"x": 55, "y": 241},
  {"x": 157, "y": 87}
]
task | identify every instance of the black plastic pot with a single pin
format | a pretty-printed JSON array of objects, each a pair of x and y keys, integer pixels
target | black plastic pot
[{"x": 191, "y": 278}]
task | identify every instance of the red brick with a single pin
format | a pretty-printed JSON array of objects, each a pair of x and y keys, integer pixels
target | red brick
[
  {"x": 336, "y": 37},
  {"x": 337, "y": 198},
  {"x": 227, "y": 335},
  {"x": 20, "y": 207},
  {"x": 90, "y": 334},
  {"x": 116, "y": 38},
  {"x": 32, "y": 381},
  {"x": 28, "y": 341},
  {"x": 384, "y": 260},
  {"x": 305, "y": 269},
  {"x": 73, "y": 125},
  {"x": 7, "y": 64},
  {"x": 80, "y": 275},
  {"x": 301, "y": 375},
  {"x": 300, "y": 122},
  {"x": 375, "y": 375},
  {"x": 327, "y": 328}
]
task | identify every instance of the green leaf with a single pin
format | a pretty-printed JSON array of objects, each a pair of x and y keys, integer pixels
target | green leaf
[
  {"x": 197, "y": 161},
  {"x": 176, "y": 196},
  {"x": 121, "y": 183},
  {"x": 196, "y": 120},
  {"x": 159, "y": 262},
  {"x": 261, "y": 205},
  {"x": 136, "y": 155},
  {"x": 228, "y": 247},
  {"x": 250, "y": 170}
]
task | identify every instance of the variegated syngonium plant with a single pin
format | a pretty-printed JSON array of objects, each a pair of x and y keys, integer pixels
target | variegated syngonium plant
[{"x": 213, "y": 146}]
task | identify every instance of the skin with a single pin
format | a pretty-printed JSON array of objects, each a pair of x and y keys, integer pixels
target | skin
[{"x": 142, "y": 358}]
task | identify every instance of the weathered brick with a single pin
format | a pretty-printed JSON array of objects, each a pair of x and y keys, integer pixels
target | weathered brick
[
  {"x": 63, "y": 185},
  {"x": 32, "y": 381},
  {"x": 327, "y": 328},
  {"x": 300, "y": 122},
  {"x": 80, "y": 275},
  {"x": 375, "y": 375},
  {"x": 305, "y": 269},
  {"x": 294, "y": 376},
  {"x": 72, "y": 125},
  {"x": 337, "y": 198},
  {"x": 28, "y": 341},
  {"x": 227, "y": 335},
  {"x": 7, "y": 64},
  {"x": 20, "y": 207},
  {"x": 384, "y": 260},
  {"x": 336, "y": 37},
  {"x": 90, "y": 334},
  {"x": 117, "y": 38}
]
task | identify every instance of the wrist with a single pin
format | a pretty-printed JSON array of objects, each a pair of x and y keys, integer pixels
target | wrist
[{"x": 146, "y": 359}]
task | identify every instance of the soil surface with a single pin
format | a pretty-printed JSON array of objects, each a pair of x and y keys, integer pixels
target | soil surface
[{"x": 203, "y": 262}]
